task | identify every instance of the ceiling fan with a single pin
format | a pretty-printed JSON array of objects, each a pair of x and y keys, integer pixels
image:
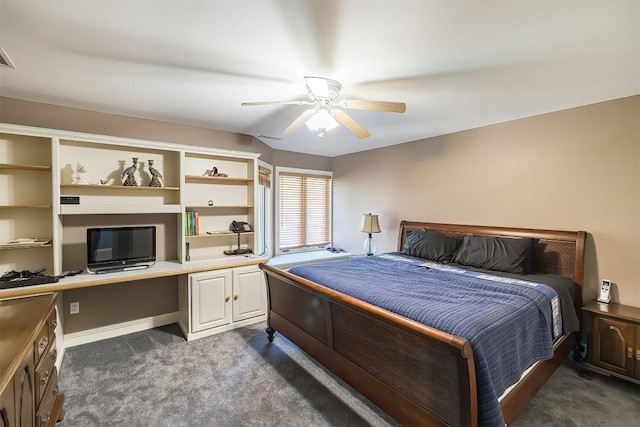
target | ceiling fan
[{"x": 323, "y": 116}]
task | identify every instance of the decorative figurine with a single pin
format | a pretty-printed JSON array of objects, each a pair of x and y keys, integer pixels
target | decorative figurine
[
  {"x": 157, "y": 176},
  {"x": 103, "y": 181},
  {"x": 214, "y": 172},
  {"x": 131, "y": 180},
  {"x": 81, "y": 175}
]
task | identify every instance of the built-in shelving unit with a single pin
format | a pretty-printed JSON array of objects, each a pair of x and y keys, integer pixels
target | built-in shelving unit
[
  {"x": 219, "y": 200},
  {"x": 40, "y": 166},
  {"x": 26, "y": 201}
]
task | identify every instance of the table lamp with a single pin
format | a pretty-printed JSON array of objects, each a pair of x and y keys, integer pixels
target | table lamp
[{"x": 369, "y": 225}]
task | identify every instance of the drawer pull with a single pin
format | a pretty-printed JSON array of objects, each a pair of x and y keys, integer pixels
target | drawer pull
[
  {"x": 44, "y": 343},
  {"x": 638, "y": 355},
  {"x": 629, "y": 353},
  {"x": 54, "y": 355},
  {"x": 54, "y": 324}
]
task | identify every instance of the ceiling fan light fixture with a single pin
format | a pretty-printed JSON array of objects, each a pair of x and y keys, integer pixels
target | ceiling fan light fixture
[{"x": 322, "y": 119}]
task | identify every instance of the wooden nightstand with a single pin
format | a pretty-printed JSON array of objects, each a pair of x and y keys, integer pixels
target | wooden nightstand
[{"x": 614, "y": 340}]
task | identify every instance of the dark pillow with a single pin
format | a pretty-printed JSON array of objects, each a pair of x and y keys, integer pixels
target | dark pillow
[
  {"x": 495, "y": 253},
  {"x": 432, "y": 246}
]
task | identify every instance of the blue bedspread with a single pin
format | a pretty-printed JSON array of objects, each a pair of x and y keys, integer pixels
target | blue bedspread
[{"x": 510, "y": 325}]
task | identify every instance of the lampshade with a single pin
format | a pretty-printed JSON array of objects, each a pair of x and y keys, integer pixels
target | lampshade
[
  {"x": 322, "y": 119},
  {"x": 369, "y": 224}
]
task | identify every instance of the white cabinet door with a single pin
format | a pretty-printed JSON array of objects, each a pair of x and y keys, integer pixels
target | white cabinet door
[
  {"x": 210, "y": 299},
  {"x": 249, "y": 293}
]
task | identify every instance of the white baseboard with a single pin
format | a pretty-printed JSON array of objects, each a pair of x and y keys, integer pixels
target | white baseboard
[
  {"x": 219, "y": 329},
  {"x": 118, "y": 329}
]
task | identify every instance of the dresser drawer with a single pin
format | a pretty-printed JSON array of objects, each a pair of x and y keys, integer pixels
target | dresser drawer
[
  {"x": 44, "y": 371},
  {"x": 42, "y": 342},
  {"x": 44, "y": 412},
  {"x": 52, "y": 322}
]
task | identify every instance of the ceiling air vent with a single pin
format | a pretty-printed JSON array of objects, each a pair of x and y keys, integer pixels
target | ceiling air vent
[
  {"x": 5, "y": 61},
  {"x": 273, "y": 138}
]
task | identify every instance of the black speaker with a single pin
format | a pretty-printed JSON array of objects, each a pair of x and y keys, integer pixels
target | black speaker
[{"x": 69, "y": 200}]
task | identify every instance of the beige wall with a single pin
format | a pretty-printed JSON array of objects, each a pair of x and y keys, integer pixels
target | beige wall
[
  {"x": 302, "y": 161},
  {"x": 577, "y": 169}
]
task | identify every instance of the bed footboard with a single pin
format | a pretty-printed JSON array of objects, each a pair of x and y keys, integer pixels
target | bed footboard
[{"x": 416, "y": 374}]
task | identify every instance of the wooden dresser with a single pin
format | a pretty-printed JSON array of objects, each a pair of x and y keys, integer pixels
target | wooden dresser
[{"x": 28, "y": 376}]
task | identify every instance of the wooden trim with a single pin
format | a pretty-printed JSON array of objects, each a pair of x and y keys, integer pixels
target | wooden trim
[{"x": 306, "y": 175}]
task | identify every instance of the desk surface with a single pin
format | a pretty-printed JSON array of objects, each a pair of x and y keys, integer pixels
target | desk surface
[{"x": 160, "y": 269}]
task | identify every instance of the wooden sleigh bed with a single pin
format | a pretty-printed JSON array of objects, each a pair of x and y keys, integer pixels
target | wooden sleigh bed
[{"x": 415, "y": 373}]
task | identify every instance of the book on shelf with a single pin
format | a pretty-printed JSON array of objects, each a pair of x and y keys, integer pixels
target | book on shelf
[{"x": 192, "y": 223}]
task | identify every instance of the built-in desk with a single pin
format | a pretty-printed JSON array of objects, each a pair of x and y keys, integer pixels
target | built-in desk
[{"x": 160, "y": 269}]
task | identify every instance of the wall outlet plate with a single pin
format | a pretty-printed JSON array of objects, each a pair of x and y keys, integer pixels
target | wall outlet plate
[{"x": 74, "y": 308}]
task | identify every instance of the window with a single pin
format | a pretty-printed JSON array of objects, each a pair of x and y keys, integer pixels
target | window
[
  {"x": 265, "y": 242},
  {"x": 304, "y": 209}
]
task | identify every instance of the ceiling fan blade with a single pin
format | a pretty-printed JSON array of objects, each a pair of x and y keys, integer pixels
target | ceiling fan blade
[
  {"x": 347, "y": 121},
  {"x": 299, "y": 122},
  {"x": 251, "y": 104},
  {"x": 358, "y": 104}
]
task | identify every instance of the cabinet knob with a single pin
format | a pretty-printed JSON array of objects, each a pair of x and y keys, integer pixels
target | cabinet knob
[
  {"x": 629, "y": 353},
  {"x": 235, "y": 297},
  {"x": 227, "y": 299}
]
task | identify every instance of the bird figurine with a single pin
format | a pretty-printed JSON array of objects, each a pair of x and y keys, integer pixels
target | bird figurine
[
  {"x": 128, "y": 172},
  {"x": 81, "y": 175},
  {"x": 156, "y": 176}
]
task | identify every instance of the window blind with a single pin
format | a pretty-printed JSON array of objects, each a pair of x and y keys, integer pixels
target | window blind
[
  {"x": 264, "y": 176},
  {"x": 305, "y": 210}
]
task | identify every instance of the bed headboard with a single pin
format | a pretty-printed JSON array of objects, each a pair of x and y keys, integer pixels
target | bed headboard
[{"x": 557, "y": 252}]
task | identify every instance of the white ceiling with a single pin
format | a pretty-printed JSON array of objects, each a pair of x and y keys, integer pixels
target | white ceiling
[{"x": 456, "y": 64}]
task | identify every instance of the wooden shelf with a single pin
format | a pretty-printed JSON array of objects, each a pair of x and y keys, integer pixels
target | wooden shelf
[
  {"x": 25, "y": 167},
  {"x": 25, "y": 207},
  {"x": 217, "y": 179},
  {"x": 227, "y": 234},
  {"x": 190, "y": 208},
  {"x": 118, "y": 187},
  {"x": 117, "y": 209},
  {"x": 13, "y": 248}
]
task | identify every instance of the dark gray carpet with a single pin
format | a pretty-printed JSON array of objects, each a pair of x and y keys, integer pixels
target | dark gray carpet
[{"x": 156, "y": 378}]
